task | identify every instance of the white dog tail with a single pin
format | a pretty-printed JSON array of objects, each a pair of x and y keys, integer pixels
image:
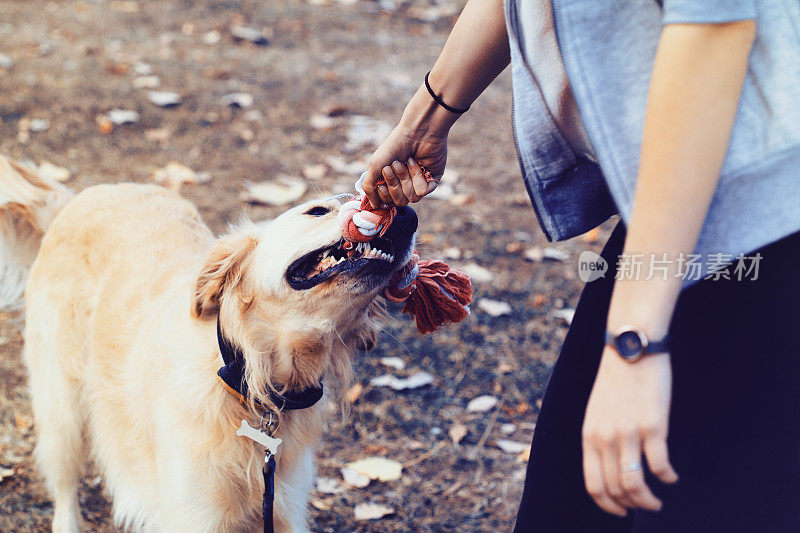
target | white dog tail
[{"x": 28, "y": 204}]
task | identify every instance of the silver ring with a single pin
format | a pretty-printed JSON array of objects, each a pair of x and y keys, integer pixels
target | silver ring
[{"x": 631, "y": 467}]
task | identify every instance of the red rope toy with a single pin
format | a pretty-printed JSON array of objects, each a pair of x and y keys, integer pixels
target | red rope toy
[{"x": 432, "y": 292}]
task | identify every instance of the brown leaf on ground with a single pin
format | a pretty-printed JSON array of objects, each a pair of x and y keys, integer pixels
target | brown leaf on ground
[{"x": 457, "y": 432}]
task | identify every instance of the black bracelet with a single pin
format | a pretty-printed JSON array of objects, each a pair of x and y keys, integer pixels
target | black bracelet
[{"x": 438, "y": 99}]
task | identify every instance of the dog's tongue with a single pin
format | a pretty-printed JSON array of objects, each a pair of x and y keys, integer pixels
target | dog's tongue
[{"x": 432, "y": 292}]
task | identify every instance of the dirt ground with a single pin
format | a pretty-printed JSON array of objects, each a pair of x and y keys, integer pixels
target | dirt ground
[{"x": 326, "y": 62}]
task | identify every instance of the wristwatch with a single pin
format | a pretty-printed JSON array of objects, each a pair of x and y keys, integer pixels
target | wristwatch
[{"x": 631, "y": 343}]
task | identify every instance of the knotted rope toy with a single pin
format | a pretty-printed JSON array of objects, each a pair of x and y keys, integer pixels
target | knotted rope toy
[{"x": 432, "y": 292}]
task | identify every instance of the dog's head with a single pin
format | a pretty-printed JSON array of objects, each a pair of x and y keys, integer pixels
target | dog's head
[{"x": 292, "y": 297}]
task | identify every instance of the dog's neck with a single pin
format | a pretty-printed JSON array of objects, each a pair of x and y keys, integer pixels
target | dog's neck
[{"x": 232, "y": 377}]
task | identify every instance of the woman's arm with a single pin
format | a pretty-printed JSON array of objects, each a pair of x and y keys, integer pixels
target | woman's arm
[
  {"x": 694, "y": 91},
  {"x": 474, "y": 54}
]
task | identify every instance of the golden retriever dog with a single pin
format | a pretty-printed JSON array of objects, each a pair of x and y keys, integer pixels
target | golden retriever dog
[{"x": 122, "y": 303}]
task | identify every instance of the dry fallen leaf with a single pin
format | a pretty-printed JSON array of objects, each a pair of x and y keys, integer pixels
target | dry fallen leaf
[
  {"x": 50, "y": 171},
  {"x": 554, "y": 254},
  {"x": 443, "y": 191},
  {"x": 513, "y": 247},
  {"x": 481, "y": 404},
  {"x": 564, "y": 314},
  {"x": 327, "y": 485},
  {"x": 146, "y": 82},
  {"x": 322, "y": 505},
  {"x": 353, "y": 478},
  {"x": 322, "y": 122},
  {"x": 354, "y": 392},
  {"x": 6, "y": 473},
  {"x": 371, "y": 511},
  {"x": 477, "y": 273},
  {"x": 119, "y": 117},
  {"x": 508, "y": 428},
  {"x": 393, "y": 362},
  {"x": 518, "y": 410},
  {"x": 452, "y": 253},
  {"x": 174, "y": 175},
  {"x": 104, "y": 126},
  {"x": 494, "y": 307},
  {"x": 315, "y": 172},
  {"x": 238, "y": 100},
  {"x": 164, "y": 98},
  {"x": 420, "y": 379},
  {"x": 375, "y": 448},
  {"x": 378, "y": 468},
  {"x": 462, "y": 199},
  {"x": 535, "y": 255},
  {"x": 281, "y": 191},
  {"x": 511, "y": 446},
  {"x": 457, "y": 432}
]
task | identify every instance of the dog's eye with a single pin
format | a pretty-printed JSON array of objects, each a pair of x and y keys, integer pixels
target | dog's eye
[{"x": 317, "y": 211}]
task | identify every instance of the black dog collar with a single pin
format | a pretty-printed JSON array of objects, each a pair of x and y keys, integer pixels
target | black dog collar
[{"x": 232, "y": 375}]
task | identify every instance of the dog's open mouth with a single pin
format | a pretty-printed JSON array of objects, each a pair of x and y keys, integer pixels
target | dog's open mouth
[
  {"x": 379, "y": 257},
  {"x": 326, "y": 263}
]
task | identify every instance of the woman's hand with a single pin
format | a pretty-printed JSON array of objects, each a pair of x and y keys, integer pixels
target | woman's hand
[
  {"x": 474, "y": 54},
  {"x": 397, "y": 161},
  {"x": 626, "y": 418}
]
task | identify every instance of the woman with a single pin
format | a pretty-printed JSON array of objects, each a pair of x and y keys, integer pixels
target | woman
[{"x": 684, "y": 118}]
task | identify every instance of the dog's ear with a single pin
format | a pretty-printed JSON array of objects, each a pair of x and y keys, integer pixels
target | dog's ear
[{"x": 222, "y": 270}]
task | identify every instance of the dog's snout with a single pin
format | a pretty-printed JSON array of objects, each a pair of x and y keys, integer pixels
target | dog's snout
[{"x": 406, "y": 219}]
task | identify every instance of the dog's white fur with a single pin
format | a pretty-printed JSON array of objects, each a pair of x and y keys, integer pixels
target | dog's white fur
[{"x": 121, "y": 349}]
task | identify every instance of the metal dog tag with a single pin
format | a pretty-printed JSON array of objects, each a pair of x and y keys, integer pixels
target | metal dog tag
[{"x": 270, "y": 443}]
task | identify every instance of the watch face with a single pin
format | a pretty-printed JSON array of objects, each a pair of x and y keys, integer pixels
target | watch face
[{"x": 629, "y": 344}]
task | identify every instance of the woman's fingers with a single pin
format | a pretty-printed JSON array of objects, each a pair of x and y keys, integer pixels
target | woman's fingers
[
  {"x": 395, "y": 188},
  {"x": 631, "y": 475},
  {"x": 406, "y": 182},
  {"x": 609, "y": 455},
  {"x": 421, "y": 185},
  {"x": 370, "y": 187},
  {"x": 655, "y": 449},
  {"x": 595, "y": 483}
]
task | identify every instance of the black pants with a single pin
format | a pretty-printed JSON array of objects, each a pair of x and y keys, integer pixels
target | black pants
[{"x": 734, "y": 433}]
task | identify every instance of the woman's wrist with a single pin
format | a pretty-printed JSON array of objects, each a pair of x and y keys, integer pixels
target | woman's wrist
[
  {"x": 647, "y": 305},
  {"x": 424, "y": 115}
]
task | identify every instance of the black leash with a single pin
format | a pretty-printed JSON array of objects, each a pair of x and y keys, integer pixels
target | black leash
[
  {"x": 232, "y": 374},
  {"x": 269, "y": 494}
]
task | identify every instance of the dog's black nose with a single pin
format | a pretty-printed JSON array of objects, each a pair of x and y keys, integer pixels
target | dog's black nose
[{"x": 405, "y": 220}]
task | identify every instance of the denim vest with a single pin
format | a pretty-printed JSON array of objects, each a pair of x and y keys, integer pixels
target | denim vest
[{"x": 608, "y": 49}]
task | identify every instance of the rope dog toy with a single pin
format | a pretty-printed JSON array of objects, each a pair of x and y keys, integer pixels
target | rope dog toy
[{"x": 432, "y": 292}]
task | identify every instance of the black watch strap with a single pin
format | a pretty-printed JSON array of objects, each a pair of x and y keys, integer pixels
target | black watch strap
[{"x": 661, "y": 345}]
